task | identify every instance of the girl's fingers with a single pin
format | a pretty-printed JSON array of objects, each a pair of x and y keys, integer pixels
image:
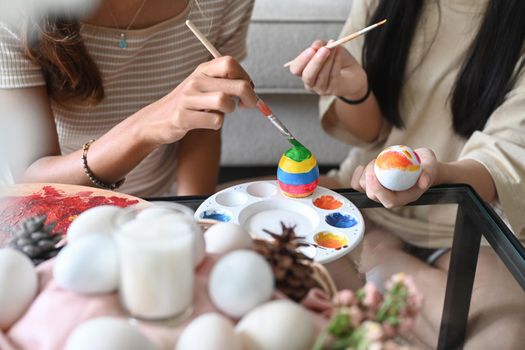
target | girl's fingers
[
  {"x": 356, "y": 177},
  {"x": 211, "y": 101},
  {"x": 300, "y": 62},
  {"x": 312, "y": 69},
  {"x": 372, "y": 184},
  {"x": 224, "y": 67},
  {"x": 323, "y": 78},
  {"x": 200, "y": 120},
  {"x": 232, "y": 87}
]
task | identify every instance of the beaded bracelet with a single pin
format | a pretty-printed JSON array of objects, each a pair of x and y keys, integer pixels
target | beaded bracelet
[
  {"x": 358, "y": 101},
  {"x": 91, "y": 176}
]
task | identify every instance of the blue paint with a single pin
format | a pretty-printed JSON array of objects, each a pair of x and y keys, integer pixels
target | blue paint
[
  {"x": 298, "y": 179},
  {"x": 216, "y": 215},
  {"x": 341, "y": 220}
]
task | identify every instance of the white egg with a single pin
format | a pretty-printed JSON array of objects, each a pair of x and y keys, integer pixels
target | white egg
[
  {"x": 18, "y": 286},
  {"x": 240, "y": 281},
  {"x": 225, "y": 237},
  {"x": 107, "y": 333},
  {"x": 209, "y": 331},
  {"x": 94, "y": 220},
  {"x": 279, "y": 324},
  {"x": 88, "y": 265},
  {"x": 174, "y": 222},
  {"x": 397, "y": 168}
]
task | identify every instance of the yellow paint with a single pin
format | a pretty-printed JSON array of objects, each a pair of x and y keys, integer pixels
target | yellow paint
[{"x": 291, "y": 166}]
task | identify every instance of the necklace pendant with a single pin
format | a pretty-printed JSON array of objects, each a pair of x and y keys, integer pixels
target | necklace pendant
[{"x": 123, "y": 44}]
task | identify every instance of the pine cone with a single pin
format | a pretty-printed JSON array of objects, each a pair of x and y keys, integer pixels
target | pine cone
[
  {"x": 291, "y": 268},
  {"x": 35, "y": 239}
]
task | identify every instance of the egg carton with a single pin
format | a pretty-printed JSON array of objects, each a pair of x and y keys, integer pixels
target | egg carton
[{"x": 329, "y": 223}]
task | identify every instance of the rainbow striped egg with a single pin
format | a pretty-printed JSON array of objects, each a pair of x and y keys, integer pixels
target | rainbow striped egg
[
  {"x": 397, "y": 168},
  {"x": 297, "y": 174}
]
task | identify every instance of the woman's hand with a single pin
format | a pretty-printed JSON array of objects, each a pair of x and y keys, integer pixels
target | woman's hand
[
  {"x": 199, "y": 102},
  {"x": 364, "y": 180},
  {"x": 330, "y": 71}
]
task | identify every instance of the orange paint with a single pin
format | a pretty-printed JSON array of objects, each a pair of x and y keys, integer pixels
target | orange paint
[
  {"x": 395, "y": 160},
  {"x": 407, "y": 153},
  {"x": 330, "y": 240},
  {"x": 327, "y": 203}
]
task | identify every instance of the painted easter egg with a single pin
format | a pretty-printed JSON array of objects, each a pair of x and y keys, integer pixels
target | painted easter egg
[
  {"x": 209, "y": 331},
  {"x": 108, "y": 333},
  {"x": 240, "y": 281},
  {"x": 397, "y": 168},
  {"x": 18, "y": 285},
  {"x": 279, "y": 324},
  {"x": 297, "y": 173},
  {"x": 88, "y": 265}
]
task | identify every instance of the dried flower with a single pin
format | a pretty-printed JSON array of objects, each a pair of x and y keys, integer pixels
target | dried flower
[
  {"x": 369, "y": 320},
  {"x": 345, "y": 298}
]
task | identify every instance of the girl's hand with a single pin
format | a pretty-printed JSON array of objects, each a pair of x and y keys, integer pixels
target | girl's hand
[
  {"x": 199, "y": 102},
  {"x": 364, "y": 180},
  {"x": 330, "y": 71}
]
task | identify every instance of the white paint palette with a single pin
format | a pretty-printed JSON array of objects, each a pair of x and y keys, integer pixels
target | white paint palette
[{"x": 329, "y": 223}]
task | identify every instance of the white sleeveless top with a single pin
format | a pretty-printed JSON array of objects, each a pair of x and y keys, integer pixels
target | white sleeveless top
[{"x": 155, "y": 61}]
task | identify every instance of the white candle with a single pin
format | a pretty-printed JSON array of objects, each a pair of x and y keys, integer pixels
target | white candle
[{"x": 156, "y": 264}]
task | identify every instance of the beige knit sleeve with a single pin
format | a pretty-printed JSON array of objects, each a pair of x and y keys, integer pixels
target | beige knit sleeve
[
  {"x": 16, "y": 70},
  {"x": 500, "y": 147},
  {"x": 232, "y": 39},
  {"x": 358, "y": 19}
]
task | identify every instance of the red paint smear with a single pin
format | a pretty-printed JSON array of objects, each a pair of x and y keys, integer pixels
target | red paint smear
[
  {"x": 327, "y": 203},
  {"x": 395, "y": 160},
  {"x": 58, "y": 206}
]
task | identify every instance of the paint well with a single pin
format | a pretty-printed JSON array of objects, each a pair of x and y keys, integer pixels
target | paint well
[
  {"x": 341, "y": 220},
  {"x": 261, "y": 189},
  {"x": 327, "y": 203},
  {"x": 331, "y": 240},
  {"x": 231, "y": 198}
]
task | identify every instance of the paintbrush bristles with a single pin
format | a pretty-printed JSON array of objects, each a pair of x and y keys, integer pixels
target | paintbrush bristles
[{"x": 347, "y": 38}]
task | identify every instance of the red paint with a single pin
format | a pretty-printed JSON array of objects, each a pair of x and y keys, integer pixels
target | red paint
[
  {"x": 327, "y": 203},
  {"x": 58, "y": 206},
  {"x": 263, "y": 107},
  {"x": 417, "y": 157}
]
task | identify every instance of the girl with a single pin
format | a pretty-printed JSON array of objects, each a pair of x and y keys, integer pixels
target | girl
[
  {"x": 445, "y": 77},
  {"x": 124, "y": 92}
]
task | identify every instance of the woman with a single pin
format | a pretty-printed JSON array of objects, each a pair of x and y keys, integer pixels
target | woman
[
  {"x": 133, "y": 78},
  {"x": 445, "y": 77}
]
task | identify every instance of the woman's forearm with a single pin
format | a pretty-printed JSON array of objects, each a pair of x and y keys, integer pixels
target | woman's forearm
[
  {"x": 363, "y": 120},
  {"x": 109, "y": 158},
  {"x": 469, "y": 172},
  {"x": 198, "y": 162}
]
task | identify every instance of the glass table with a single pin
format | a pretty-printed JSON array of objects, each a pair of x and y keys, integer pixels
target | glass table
[{"x": 475, "y": 219}]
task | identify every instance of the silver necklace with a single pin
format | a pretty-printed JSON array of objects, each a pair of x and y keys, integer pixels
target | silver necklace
[{"x": 123, "y": 43}]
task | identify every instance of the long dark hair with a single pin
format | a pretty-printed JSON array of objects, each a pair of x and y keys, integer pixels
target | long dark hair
[
  {"x": 55, "y": 44},
  {"x": 488, "y": 72}
]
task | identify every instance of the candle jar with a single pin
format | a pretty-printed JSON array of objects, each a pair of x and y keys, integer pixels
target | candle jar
[{"x": 156, "y": 254}]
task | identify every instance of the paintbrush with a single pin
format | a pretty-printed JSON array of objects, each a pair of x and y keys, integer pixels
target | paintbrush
[
  {"x": 347, "y": 38},
  {"x": 261, "y": 105}
]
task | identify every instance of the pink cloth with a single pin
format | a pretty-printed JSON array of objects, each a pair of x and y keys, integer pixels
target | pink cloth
[{"x": 55, "y": 313}]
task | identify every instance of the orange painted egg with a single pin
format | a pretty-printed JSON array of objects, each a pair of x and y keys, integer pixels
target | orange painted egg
[{"x": 397, "y": 168}]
